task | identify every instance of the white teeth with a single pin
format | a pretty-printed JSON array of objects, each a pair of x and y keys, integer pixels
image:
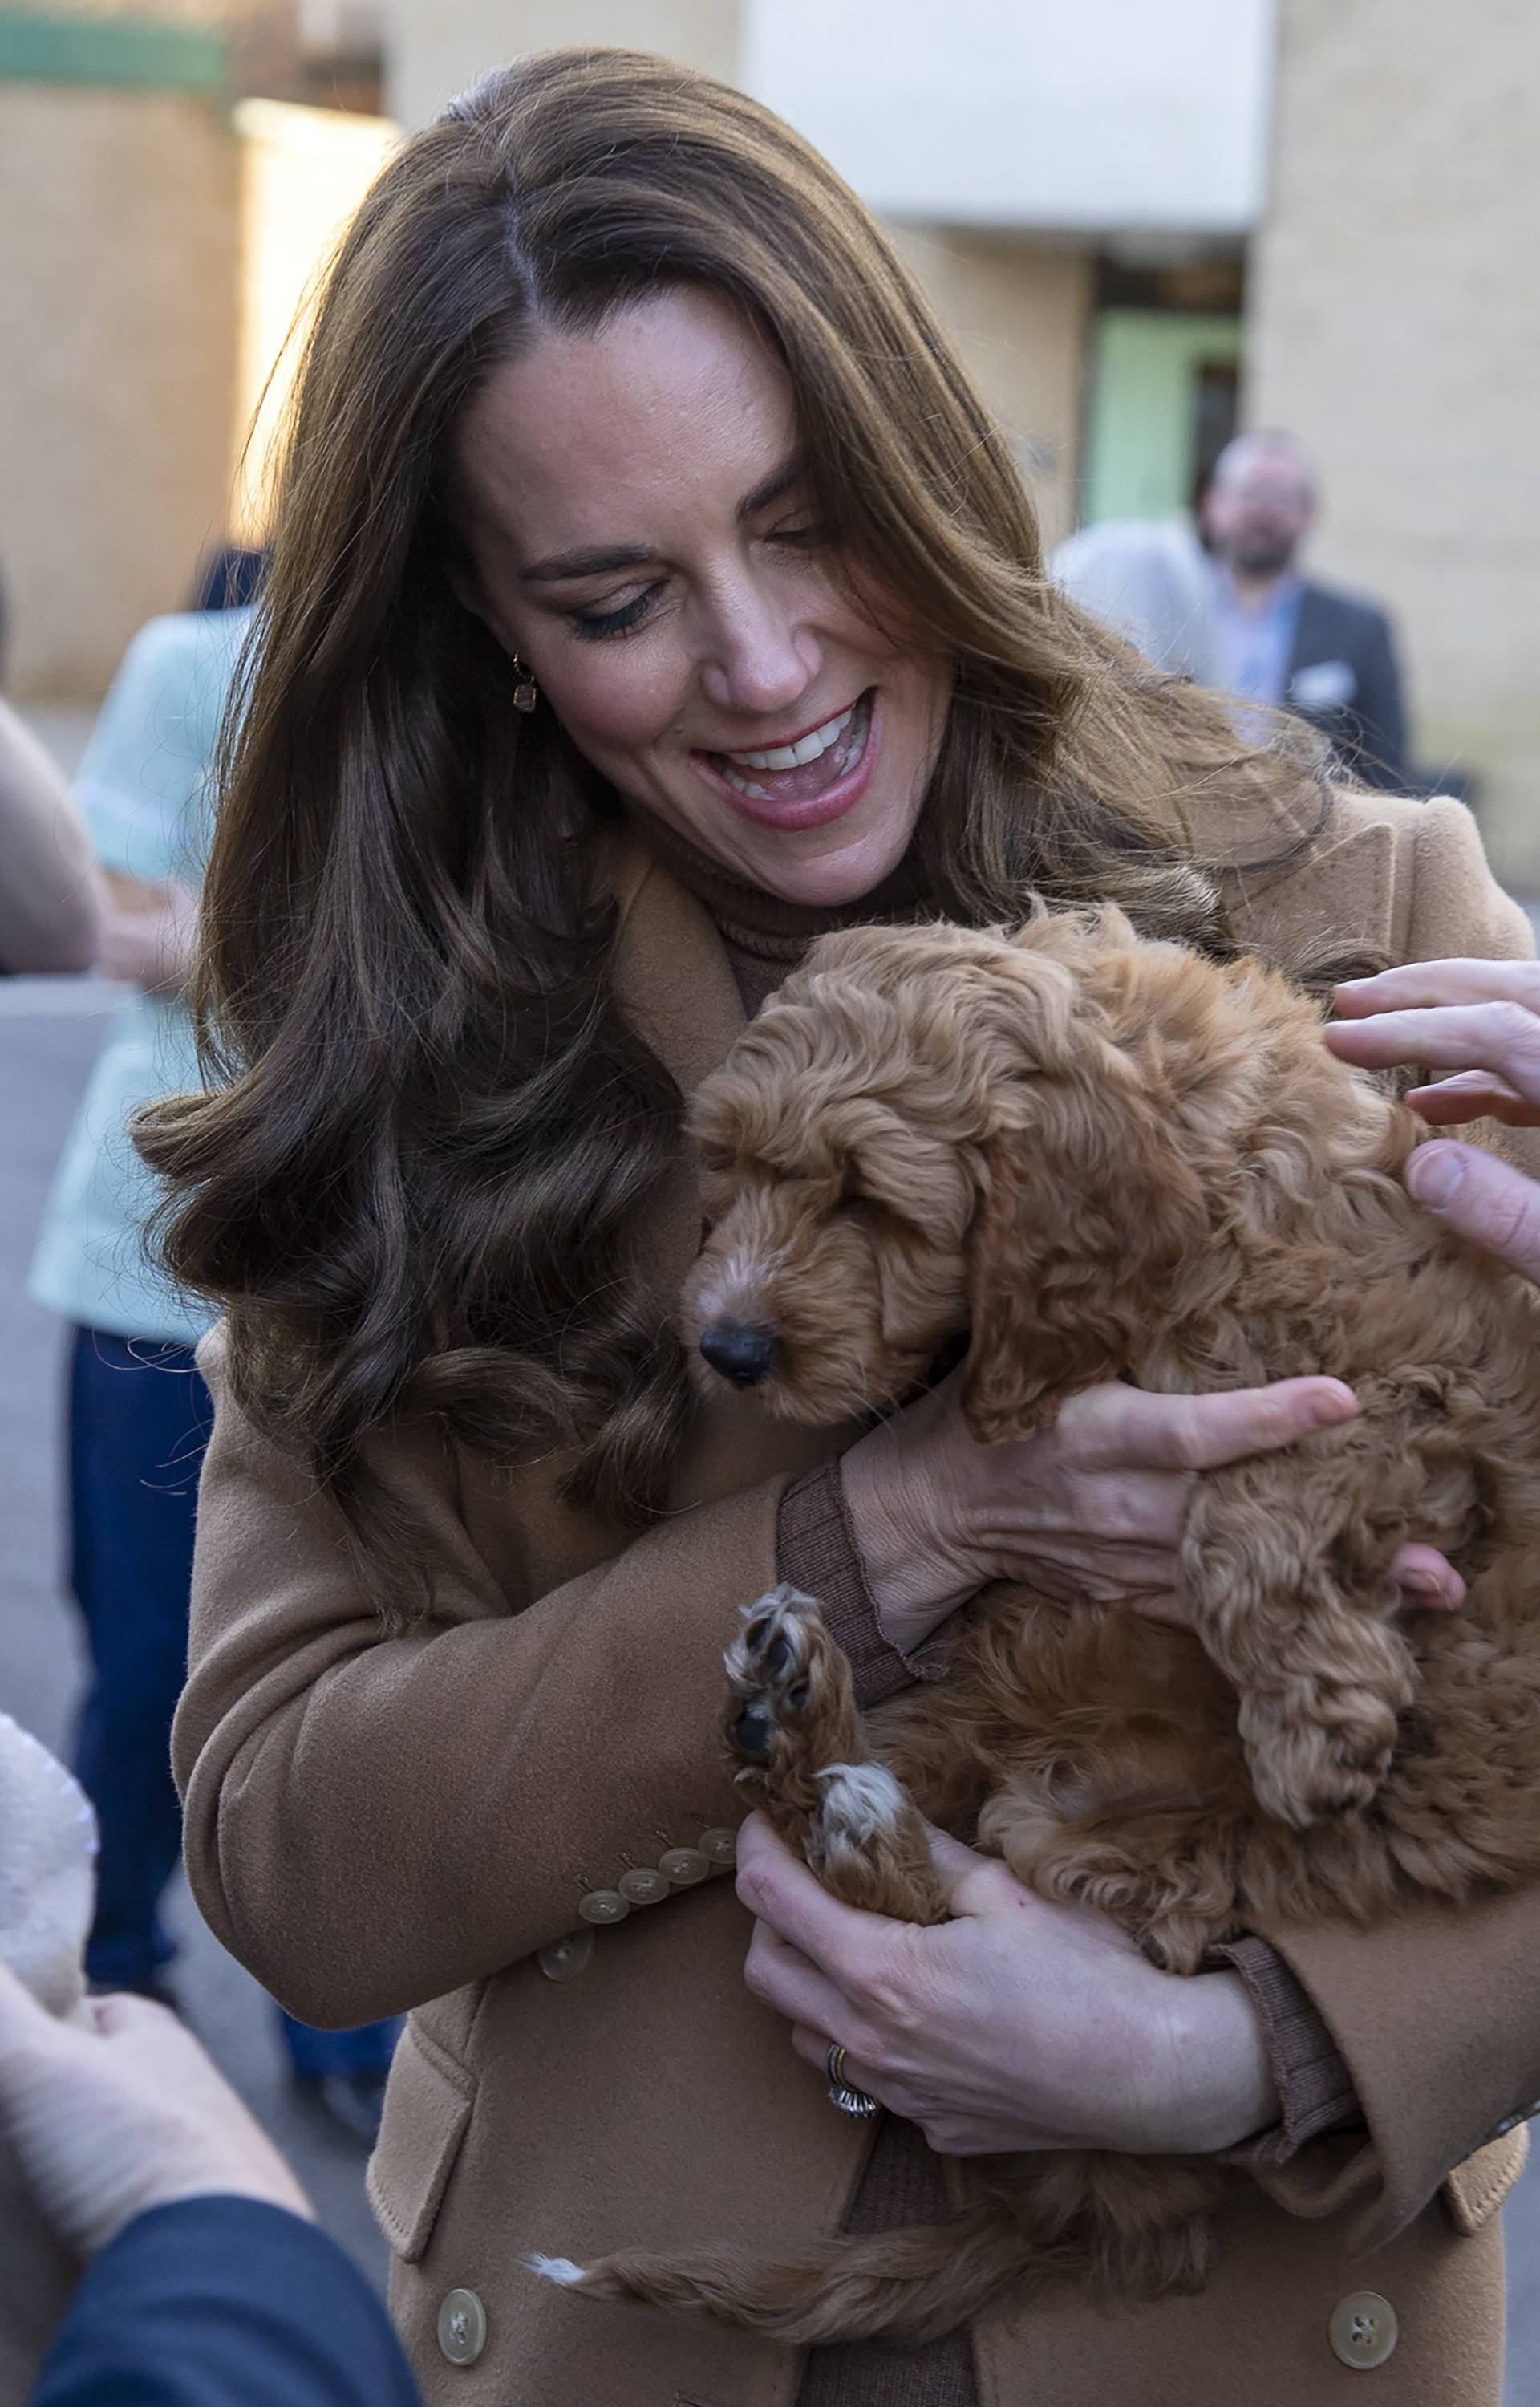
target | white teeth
[{"x": 796, "y": 756}]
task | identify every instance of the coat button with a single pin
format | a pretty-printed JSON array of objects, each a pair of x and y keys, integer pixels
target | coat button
[
  {"x": 565, "y": 1958},
  {"x": 719, "y": 1846},
  {"x": 463, "y": 2327},
  {"x": 603, "y": 1905},
  {"x": 684, "y": 1866},
  {"x": 1364, "y": 2329},
  {"x": 643, "y": 1888}
]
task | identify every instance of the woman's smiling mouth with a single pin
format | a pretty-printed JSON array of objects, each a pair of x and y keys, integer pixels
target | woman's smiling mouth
[{"x": 807, "y": 782}]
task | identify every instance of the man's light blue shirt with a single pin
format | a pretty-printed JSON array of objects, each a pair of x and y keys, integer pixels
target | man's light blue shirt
[
  {"x": 144, "y": 789},
  {"x": 1255, "y": 647}
]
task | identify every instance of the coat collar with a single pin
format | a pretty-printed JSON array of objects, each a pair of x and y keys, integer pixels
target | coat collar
[{"x": 671, "y": 973}]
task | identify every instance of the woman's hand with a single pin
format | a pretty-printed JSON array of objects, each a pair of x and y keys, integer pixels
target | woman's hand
[
  {"x": 1020, "y": 2025},
  {"x": 110, "y": 2119},
  {"x": 1480, "y": 1019},
  {"x": 1093, "y": 1507}
]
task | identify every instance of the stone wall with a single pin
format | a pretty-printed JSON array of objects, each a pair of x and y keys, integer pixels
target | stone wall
[{"x": 1396, "y": 328}]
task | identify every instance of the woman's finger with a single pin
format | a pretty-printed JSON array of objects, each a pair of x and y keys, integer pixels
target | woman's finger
[
  {"x": 785, "y": 1980},
  {"x": 1122, "y": 1428},
  {"x": 1502, "y": 1037},
  {"x": 1421, "y": 985},
  {"x": 1428, "y": 1580},
  {"x": 813, "y": 2045},
  {"x": 1473, "y": 1095},
  {"x": 779, "y": 1891},
  {"x": 1487, "y": 1201}
]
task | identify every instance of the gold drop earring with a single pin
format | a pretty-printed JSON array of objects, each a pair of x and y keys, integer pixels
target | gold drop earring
[{"x": 526, "y": 692}]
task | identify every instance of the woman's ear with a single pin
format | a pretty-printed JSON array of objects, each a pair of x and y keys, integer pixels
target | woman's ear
[{"x": 1086, "y": 1219}]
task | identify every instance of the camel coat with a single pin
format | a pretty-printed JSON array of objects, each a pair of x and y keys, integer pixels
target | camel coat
[{"x": 415, "y": 1822}]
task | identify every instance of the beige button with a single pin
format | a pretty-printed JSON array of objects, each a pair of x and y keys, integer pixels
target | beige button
[
  {"x": 684, "y": 1866},
  {"x": 603, "y": 1905},
  {"x": 1364, "y": 2329},
  {"x": 567, "y": 1957},
  {"x": 719, "y": 1846},
  {"x": 643, "y": 1888},
  {"x": 463, "y": 2327}
]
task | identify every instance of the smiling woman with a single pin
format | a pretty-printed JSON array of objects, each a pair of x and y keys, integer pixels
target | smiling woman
[
  {"x": 758, "y": 709},
  {"x": 651, "y": 593}
]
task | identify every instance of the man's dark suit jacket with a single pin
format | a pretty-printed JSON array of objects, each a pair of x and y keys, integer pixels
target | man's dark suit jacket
[
  {"x": 223, "y": 2302},
  {"x": 1343, "y": 678}
]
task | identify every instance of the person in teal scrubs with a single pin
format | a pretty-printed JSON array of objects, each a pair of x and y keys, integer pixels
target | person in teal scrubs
[{"x": 138, "y": 1414}]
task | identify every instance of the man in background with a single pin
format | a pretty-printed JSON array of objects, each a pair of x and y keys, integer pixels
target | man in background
[
  {"x": 1283, "y": 640},
  {"x": 1232, "y": 610}
]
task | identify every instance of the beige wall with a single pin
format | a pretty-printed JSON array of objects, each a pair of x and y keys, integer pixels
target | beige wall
[
  {"x": 1018, "y": 312},
  {"x": 118, "y": 299},
  {"x": 435, "y": 47},
  {"x": 1396, "y": 327}
]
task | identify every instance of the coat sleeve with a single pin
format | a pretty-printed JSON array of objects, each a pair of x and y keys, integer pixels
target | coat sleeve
[
  {"x": 1436, "y": 2014},
  {"x": 373, "y": 1819},
  {"x": 224, "y": 2302}
]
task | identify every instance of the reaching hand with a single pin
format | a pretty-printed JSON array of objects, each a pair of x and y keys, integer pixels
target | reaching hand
[
  {"x": 1481, "y": 1020},
  {"x": 110, "y": 2119}
]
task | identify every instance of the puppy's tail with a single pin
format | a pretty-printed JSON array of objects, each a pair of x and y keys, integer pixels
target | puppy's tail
[{"x": 914, "y": 2284}]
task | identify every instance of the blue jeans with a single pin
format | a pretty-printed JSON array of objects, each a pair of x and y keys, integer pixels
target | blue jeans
[{"x": 139, "y": 1419}]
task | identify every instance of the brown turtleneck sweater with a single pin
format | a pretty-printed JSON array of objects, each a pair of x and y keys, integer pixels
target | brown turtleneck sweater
[{"x": 904, "y": 2182}]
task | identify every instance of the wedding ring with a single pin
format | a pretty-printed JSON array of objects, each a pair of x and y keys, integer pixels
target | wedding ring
[{"x": 842, "y": 2093}]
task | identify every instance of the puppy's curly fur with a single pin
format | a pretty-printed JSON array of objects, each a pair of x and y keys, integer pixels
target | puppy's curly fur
[{"x": 1108, "y": 1157}]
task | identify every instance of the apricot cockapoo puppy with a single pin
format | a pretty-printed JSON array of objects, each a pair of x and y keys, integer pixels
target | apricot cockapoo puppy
[{"x": 1108, "y": 1157}]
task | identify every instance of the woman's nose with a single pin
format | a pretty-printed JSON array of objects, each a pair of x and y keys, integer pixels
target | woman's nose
[{"x": 760, "y": 659}]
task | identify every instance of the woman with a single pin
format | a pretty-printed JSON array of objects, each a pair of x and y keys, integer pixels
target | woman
[{"x": 651, "y": 591}]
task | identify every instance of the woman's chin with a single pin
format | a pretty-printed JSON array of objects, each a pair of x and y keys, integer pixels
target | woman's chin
[{"x": 837, "y": 873}]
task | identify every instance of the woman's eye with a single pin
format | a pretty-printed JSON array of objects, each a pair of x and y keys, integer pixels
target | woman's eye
[
  {"x": 594, "y": 626},
  {"x": 802, "y": 538}
]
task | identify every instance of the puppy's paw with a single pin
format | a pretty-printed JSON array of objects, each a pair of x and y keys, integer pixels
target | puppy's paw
[
  {"x": 1329, "y": 1762},
  {"x": 791, "y": 1707}
]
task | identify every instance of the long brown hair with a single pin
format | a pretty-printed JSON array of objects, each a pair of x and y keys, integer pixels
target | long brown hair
[{"x": 397, "y": 1183}]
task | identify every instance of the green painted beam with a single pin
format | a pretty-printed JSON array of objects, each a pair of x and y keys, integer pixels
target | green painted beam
[
  {"x": 121, "y": 51},
  {"x": 1143, "y": 418}
]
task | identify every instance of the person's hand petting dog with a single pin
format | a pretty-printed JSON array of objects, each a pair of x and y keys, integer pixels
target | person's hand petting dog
[
  {"x": 1093, "y": 1507},
  {"x": 1020, "y": 2025},
  {"x": 110, "y": 2119},
  {"x": 1479, "y": 1020}
]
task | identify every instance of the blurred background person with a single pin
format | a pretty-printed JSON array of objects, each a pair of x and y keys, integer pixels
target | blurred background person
[
  {"x": 1282, "y": 639},
  {"x": 207, "y": 2282},
  {"x": 137, "y": 1413},
  {"x": 1221, "y": 601},
  {"x": 51, "y": 900}
]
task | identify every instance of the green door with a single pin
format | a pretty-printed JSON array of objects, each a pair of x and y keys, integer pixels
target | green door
[{"x": 1161, "y": 404}]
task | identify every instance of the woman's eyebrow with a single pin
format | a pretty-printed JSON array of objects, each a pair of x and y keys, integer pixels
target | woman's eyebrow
[{"x": 600, "y": 560}]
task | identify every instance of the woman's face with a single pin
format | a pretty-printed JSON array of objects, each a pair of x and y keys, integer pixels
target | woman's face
[{"x": 640, "y": 534}]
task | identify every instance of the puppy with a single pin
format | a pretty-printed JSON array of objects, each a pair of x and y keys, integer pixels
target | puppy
[{"x": 1105, "y": 1157}]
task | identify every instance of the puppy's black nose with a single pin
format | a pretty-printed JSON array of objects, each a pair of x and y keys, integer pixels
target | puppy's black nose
[{"x": 744, "y": 1356}]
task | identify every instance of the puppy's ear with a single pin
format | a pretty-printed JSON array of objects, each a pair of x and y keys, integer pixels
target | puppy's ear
[{"x": 1086, "y": 1220}]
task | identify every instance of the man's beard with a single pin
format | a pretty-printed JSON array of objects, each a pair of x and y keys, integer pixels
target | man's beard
[{"x": 1261, "y": 555}]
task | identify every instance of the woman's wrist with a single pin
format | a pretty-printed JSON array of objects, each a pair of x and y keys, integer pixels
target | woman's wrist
[
  {"x": 1222, "y": 2088},
  {"x": 914, "y": 1578}
]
